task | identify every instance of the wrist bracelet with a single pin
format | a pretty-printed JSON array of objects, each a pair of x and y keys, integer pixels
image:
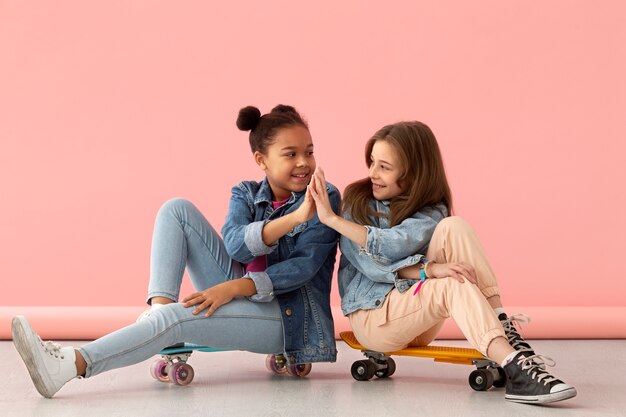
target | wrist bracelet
[
  {"x": 423, "y": 276},
  {"x": 426, "y": 270}
]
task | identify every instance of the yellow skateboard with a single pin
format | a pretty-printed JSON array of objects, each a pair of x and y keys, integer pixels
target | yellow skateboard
[{"x": 487, "y": 374}]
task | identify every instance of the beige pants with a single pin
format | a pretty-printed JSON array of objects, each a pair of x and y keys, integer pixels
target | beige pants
[{"x": 408, "y": 320}]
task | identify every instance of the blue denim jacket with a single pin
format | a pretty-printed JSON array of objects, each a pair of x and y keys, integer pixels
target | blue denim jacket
[
  {"x": 299, "y": 267},
  {"x": 367, "y": 275}
]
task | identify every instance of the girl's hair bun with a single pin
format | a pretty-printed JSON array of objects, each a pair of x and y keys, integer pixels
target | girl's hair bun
[
  {"x": 282, "y": 108},
  {"x": 248, "y": 118},
  {"x": 263, "y": 129}
]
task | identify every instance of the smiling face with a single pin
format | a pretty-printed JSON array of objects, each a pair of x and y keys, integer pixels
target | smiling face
[
  {"x": 385, "y": 170},
  {"x": 288, "y": 162}
]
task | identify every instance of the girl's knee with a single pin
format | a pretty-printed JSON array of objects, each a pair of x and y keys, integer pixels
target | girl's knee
[
  {"x": 174, "y": 314},
  {"x": 466, "y": 289},
  {"x": 454, "y": 223},
  {"x": 176, "y": 206}
]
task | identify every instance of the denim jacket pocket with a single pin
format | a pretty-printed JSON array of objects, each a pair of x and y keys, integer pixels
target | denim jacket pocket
[{"x": 399, "y": 305}]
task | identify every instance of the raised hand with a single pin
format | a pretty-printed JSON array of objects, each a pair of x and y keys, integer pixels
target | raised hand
[
  {"x": 307, "y": 209},
  {"x": 320, "y": 196}
]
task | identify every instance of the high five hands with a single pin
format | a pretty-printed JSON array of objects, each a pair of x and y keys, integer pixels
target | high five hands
[
  {"x": 317, "y": 190},
  {"x": 306, "y": 211}
]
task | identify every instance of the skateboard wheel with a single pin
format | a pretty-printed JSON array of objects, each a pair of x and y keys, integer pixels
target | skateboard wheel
[
  {"x": 299, "y": 370},
  {"x": 276, "y": 364},
  {"x": 363, "y": 370},
  {"x": 181, "y": 374},
  {"x": 500, "y": 380},
  {"x": 388, "y": 371},
  {"x": 481, "y": 380},
  {"x": 158, "y": 370}
]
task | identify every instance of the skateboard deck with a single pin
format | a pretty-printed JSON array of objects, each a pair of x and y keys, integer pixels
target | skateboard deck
[
  {"x": 172, "y": 366},
  {"x": 380, "y": 364}
]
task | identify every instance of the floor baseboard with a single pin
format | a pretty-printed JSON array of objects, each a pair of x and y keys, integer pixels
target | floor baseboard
[{"x": 88, "y": 323}]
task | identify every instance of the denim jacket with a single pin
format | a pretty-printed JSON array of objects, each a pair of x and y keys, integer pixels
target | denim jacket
[
  {"x": 299, "y": 267},
  {"x": 367, "y": 275}
]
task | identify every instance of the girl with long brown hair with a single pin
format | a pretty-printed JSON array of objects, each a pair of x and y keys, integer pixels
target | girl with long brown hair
[{"x": 407, "y": 264}]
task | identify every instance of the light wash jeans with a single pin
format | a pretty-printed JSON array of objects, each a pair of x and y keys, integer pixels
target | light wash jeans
[{"x": 184, "y": 238}]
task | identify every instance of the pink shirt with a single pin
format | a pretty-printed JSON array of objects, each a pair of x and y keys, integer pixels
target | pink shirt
[{"x": 259, "y": 264}]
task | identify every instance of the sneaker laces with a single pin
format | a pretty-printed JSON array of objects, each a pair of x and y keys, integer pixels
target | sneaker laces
[
  {"x": 52, "y": 348},
  {"x": 536, "y": 364},
  {"x": 515, "y": 339}
]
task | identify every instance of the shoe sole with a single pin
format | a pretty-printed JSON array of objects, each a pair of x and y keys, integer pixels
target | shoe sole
[
  {"x": 23, "y": 340},
  {"x": 543, "y": 399}
]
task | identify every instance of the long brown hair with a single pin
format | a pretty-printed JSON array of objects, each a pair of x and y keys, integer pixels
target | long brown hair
[{"x": 423, "y": 180}]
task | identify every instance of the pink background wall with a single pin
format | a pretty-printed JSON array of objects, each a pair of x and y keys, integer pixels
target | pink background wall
[{"x": 107, "y": 109}]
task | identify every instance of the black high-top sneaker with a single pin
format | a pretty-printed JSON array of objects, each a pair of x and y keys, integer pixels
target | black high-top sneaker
[
  {"x": 529, "y": 382},
  {"x": 516, "y": 341}
]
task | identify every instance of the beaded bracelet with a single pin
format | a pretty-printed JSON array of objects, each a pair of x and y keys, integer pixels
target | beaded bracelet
[
  {"x": 426, "y": 270},
  {"x": 423, "y": 276}
]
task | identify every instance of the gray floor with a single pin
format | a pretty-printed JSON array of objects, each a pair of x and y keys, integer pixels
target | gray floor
[{"x": 237, "y": 384}]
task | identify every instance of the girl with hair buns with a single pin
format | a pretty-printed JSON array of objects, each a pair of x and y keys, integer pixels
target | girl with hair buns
[
  {"x": 264, "y": 288},
  {"x": 406, "y": 265}
]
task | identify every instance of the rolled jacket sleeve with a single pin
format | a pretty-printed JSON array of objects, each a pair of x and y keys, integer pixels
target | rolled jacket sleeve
[
  {"x": 411, "y": 237},
  {"x": 253, "y": 238},
  {"x": 264, "y": 287},
  {"x": 242, "y": 234},
  {"x": 374, "y": 270}
]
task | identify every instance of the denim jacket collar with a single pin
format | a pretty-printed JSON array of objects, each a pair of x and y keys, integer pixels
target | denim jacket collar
[
  {"x": 380, "y": 206},
  {"x": 264, "y": 195}
]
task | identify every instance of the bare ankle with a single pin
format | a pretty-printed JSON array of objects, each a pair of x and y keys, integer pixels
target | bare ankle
[
  {"x": 499, "y": 349},
  {"x": 81, "y": 365},
  {"x": 160, "y": 300},
  {"x": 494, "y": 301}
]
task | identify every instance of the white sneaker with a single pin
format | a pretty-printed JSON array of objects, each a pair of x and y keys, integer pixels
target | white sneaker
[
  {"x": 49, "y": 365},
  {"x": 149, "y": 312}
]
